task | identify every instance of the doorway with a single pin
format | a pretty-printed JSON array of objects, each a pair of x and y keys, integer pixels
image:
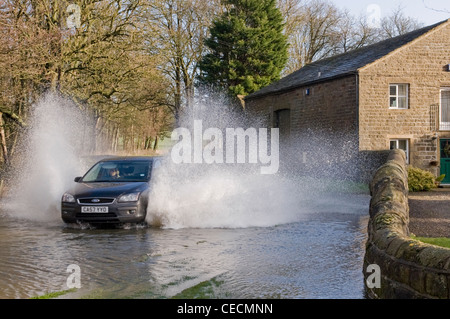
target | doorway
[{"x": 445, "y": 160}]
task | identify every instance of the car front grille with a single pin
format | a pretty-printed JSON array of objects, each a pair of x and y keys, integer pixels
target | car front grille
[
  {"x": 96, "y": 200},
  {"x": 87, "y": 216}
]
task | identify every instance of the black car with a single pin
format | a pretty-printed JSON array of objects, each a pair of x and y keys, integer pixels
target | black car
[{"x": 114, "y": 190}]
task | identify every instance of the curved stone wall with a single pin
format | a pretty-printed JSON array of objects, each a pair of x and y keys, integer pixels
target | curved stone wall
[{"x": 395, "y": 265}]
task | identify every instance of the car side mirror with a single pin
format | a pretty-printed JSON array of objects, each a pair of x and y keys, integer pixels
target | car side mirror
[{"x": 77, "y": 179}]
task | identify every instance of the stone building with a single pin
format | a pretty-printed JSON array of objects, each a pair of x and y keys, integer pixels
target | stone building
[{"x": 392, "y": 94}]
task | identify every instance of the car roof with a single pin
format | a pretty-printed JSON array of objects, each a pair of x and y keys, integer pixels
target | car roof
[{"x": 130, "y": 158}]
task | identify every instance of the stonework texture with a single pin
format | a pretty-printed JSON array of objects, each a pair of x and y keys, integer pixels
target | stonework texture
[
  {"x": 409, "y": 269},
  {"x": 423, "y": 65}
]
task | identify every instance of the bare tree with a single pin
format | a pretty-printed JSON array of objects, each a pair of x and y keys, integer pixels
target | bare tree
[
  {"x": 312, "y": 30},
  {"x": 354, "y": 33},
  {"x": 182, "y": 26},
  {"x": 101, "y": 62},
  {"x": 293, "y": 13},
  {"x": 29, "y": 52},
  {"x": 317, "y": 29},
  {"x": 397, "y": 23}
]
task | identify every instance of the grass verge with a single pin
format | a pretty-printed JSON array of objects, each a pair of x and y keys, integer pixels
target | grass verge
[
  {"x": 55, "y": 294},
  {"x": 203, "y": 290},
  {"x": 439, "y": 241}
]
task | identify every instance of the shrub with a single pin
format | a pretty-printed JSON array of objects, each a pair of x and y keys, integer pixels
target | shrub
[{"x": 420, "y": 180}]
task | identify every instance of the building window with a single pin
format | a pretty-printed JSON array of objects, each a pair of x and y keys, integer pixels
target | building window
[
  {"x": 444, "y": 123},
  {"x": 398, "y": 96},
  {"x": 401, "y": 144}
]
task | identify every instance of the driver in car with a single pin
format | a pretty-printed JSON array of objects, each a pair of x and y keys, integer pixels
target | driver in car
[{"x": 114, "y": 173}]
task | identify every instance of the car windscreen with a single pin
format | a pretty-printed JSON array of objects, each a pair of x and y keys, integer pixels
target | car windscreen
[{"x": 119, "y": 171}]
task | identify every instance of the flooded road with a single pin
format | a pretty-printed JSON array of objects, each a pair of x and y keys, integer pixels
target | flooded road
[
  {"x": 218, "y": 230},
  {"x": 319, "y": 256}
]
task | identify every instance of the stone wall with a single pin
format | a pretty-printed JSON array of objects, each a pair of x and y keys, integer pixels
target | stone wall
[
  {"x": 330, "y": 106},
  {"x": 407, "y": 267},
  {"x": 323, "y": 125}
]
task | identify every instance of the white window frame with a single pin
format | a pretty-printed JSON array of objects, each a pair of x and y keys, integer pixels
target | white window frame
[
  {"x": 397, "y": 96},
  {"x": 443, "y": 126},
  {"x": 397, "y": 146}
]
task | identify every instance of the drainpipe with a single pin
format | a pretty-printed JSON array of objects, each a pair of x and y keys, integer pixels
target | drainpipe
[
  {"x": 357, "y": 106},
  {"x": 436, "y": 118}
]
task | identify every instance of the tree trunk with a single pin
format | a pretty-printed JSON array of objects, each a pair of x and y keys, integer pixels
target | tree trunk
[
  {"x": 115, "y": 139},
  {"x": 155, "y": 146},
  {"x": 148, "y": 143},
  {"x": 96, "y": 133},
  {"x": 3, "y": 140}
]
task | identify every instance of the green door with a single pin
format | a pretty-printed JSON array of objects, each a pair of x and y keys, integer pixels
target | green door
[{"x": 445, "y": 160}]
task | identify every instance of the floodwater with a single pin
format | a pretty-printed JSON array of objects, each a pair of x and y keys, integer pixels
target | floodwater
[
  {"x": 316, "y": 257},
  {"x": 214, "y": 231}
]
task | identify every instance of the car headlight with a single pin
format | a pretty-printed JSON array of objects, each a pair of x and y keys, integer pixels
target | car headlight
[
  {"x": 68, "y": 198},
  {"x": 132, "y": 197}
]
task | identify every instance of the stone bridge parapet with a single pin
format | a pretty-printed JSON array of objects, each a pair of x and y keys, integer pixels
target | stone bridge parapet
[{"x": 408, "y": 269}]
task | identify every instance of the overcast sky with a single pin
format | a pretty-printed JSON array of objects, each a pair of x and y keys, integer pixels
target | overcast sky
[{"x": 426, "y": 11}]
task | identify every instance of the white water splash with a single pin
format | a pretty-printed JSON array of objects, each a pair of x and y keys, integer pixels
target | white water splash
[
  {"x": 49, "y": 159},
  {"x": 231, "y": 196},
  {"x": 201, "y": 196}
]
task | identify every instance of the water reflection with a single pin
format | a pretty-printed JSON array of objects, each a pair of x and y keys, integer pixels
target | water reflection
[{"x": 319, "y": 257}]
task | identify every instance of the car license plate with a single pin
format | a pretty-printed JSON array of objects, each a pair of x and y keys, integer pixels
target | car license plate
[{"x": 94, "y": 209}]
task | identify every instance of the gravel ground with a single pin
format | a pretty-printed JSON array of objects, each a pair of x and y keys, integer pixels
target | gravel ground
[{"x": 429, "y": 213}]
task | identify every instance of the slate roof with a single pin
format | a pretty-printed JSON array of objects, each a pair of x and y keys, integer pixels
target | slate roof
[{"x": 342, "y": 64}]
